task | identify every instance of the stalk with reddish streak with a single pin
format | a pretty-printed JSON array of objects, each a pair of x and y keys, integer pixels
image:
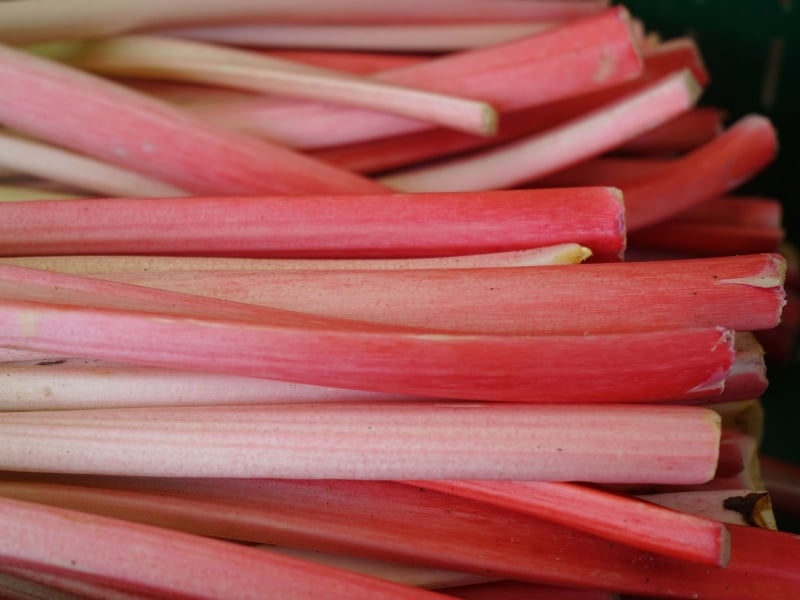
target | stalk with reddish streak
[
  {"x": 59, "y": 313},
  {"x": 352, "y": 226},
  {"x": 610, "y": 516},
  {"x": 372, "y": 519},
  {"x": 97, "y": 117},
  {"x": 596, "y": 53},
  {"x": 163, "y": 562},
  {"x": 742, "y": 293}
]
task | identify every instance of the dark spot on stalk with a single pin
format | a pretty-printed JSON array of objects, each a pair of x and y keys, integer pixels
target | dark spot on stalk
[
  {"x": 47, "y": 363},
  {"x": 749, "y": 506}
]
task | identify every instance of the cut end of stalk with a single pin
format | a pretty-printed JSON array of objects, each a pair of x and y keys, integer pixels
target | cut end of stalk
[
  {"x": 617, "y": 194},
  {"x": 694, "y": 89},
  {"x": 773, "y": 275},
  {"x": 717, "y": 380},
  {"x": 489, "y": 119}
]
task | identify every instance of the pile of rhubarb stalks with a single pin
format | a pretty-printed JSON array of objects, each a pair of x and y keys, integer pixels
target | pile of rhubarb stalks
[{"x": 382, "y": 300}]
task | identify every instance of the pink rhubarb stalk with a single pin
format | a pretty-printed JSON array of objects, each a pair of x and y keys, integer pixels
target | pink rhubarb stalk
[
  {"x": 46, "y": 20},
  {"x": 353, "y": 226},
  {"x": 579, "y": 57},
  {"x": 164, "y": 563},
  {"x": 97, "y": 117},
  {"x": 743, "y": 293},
  {"x": 718, "y": 167},
  {"x": 76, "y": 316},
  {"x": 47, "y": 162},
  {"x": 423, "y": 37},
  {"x": 159, "y": 57},
  {"x": 377, "y": 441},
  {"x": 577, "y": 140},
  {"x": 610, "y": 516}
]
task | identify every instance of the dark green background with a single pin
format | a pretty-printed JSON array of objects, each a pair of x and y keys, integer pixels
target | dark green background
[{"x": 738, "y": 39}]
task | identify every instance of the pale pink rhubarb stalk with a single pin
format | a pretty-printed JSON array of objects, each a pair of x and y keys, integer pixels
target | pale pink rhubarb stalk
[
  {"x": 734, "y": 507},
  {"x": 55, "y": 164},
  {"x": 377, "y": 441},
  {"x": 71, "y": 383},
  {"x": 568, "y": 61},
  {"x": 533, "y": 157},
  {"x": 423, "y": 37},
  {"x": 718, "y": 167},
  {"x": 559, "y": 254},
  {"x": 96, "y": 117},
  {"x": 352, "y": 226},
  {"x": 159, "y": 57},
  {"x": 45, "y": 20},
  {"x": 163, "y": 562},
  {"x": 610, "y": 516},
  {"x": 360, "y": 63},
  {"x": 66, "y": 314},
  {"x": 742, "y": 293},
  {"x": 372, "y": 519}
]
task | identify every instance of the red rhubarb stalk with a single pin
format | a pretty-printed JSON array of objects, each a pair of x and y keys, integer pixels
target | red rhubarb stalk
[
  {"x": 711, "y": 171},
  {"x": 706, "y": 239},
  {"x": 352, "y": 226},
  {"x": 610, "y": 516},
  {"x": 681, "y": 134},
  {"x": 372, "y": 519},
  {"x": 36, "y": 381},
  {"x": 519, "y": 590},
  {"x": 162, "y": 562},
  {"x": 577, "y": 140},
  {"x": 377, "y": 441},
  {"x": 94, "y": 116}
]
